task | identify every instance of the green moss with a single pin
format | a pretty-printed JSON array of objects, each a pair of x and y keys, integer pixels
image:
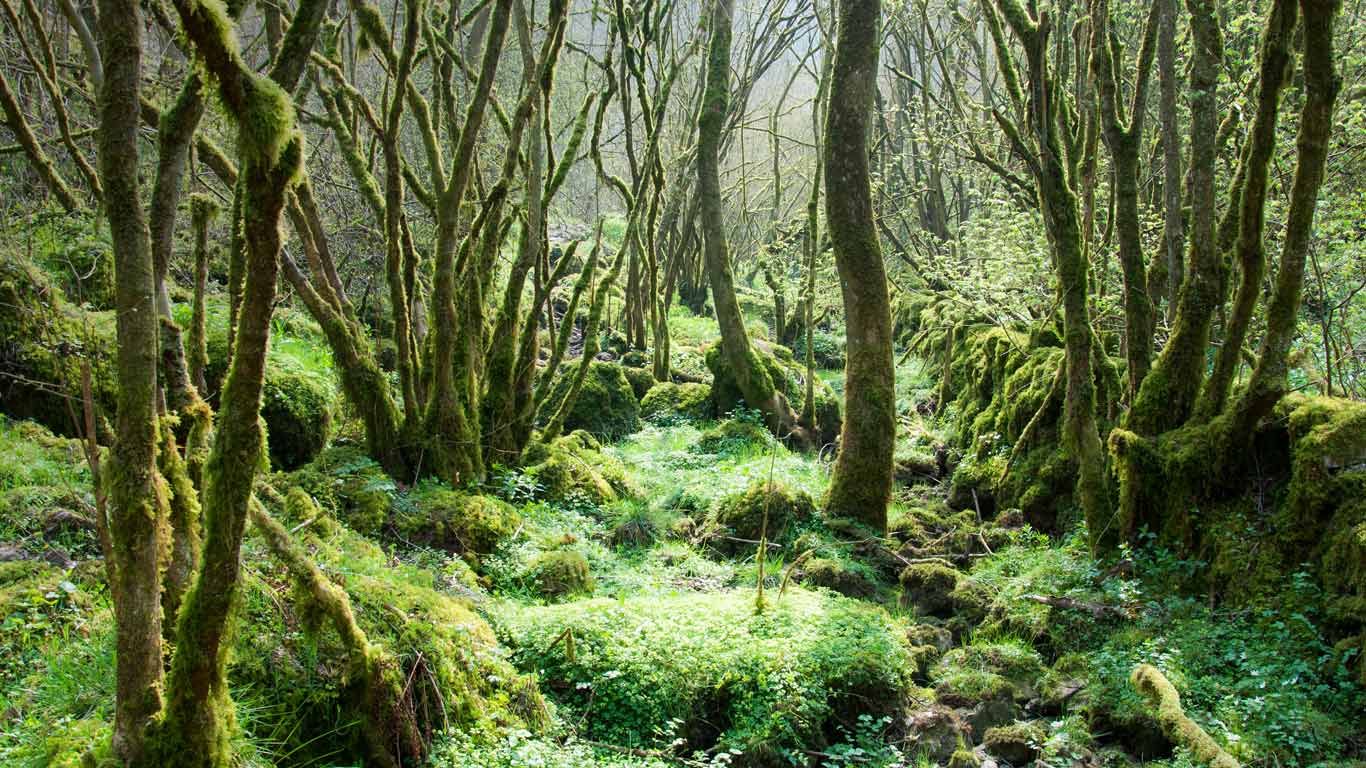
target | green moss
[
  {"x": 350, "y": 485},
  {"x": 641, "y": 379},
  {"x": 988, "y": 669},
  {"x": 44, "y": 340},
  {"x": 297, "y": 407},
  {"x": 742, "y": 516},
  {"x": 666, "y": 402},
  {"x": 290, "y": 669},
  {"x": 929, "y": 587},
  {"x": 573, "y": 466},
  {"x": 1017, "y": 744},
  {"x": 607, "y": 405},
  {"x": 561, "y": 573},
  {"x": 844, "y": 578},
  {"x": 435, "y": 515},
  {"x": 788, "y": 377},
  {"x": 732, "y": 437}
]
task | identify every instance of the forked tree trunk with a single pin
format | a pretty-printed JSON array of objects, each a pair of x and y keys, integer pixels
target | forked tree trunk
[{"x": 862, "y": 482}]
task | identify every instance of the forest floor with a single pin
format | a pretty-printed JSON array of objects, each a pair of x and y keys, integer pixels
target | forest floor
[{"x": 659, "y": 636}]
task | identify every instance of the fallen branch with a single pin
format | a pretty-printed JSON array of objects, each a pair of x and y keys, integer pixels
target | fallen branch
[
  {"x": 1182, "y": 730},
  {"x": 1098, "y": 610}
]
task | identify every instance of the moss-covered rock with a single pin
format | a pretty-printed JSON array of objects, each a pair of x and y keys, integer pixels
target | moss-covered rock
[
  {"x": 296, "y": 406},
  {"x": 929, "y": 587},
  {"x": 455, "y": 521},
  {"x": 845, "y": 578},
  {"x": 1017, "y": 744},
  {"x": 606, "y": 407},
  {"x": 732, "y": 437},
  {"x": 668, "y": 401},
  {"x": 44, "y": 341},
  {"x": 561, "y": 573},
  {"x": 350, "y": 485},
  {"x": 573, "y": 466},
  {"x": 641, "y": 379},
  {"x": 743, "y": 515},
  {"x": 986, "y": 670}
]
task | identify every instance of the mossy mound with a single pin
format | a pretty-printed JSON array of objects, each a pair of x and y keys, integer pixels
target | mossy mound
[
  {"x": 297, "y": 406},
  {"x": 641, "y": 379},
  {"x": 789, "y": 378},
  {"x": 844, "y": 578},
  {"x": 733, "y": 437},
  {"x": 1017, "y": 744},
  {"x": 742, "y": 516},
  {"x": 349, "y": 484},
  {"x": 988, "y": 669},
  {"x": 930, "y": 587},
  {"x": 607, "y": 406},
  {"x": 44, "y": 341},
  {"x": 666, "y": 402},
  {"x": 561, "y": 573},
  {"x": 435, "y": 515},
  {"x": 575, "y": 467},
  {"x": 765, "y": 685}
]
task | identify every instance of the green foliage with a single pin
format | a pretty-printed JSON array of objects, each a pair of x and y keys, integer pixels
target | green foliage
[
  {"x": 346, "y": 482},
  {"x": 827, "y": 349},
  {"x": 704, "y": 669}
]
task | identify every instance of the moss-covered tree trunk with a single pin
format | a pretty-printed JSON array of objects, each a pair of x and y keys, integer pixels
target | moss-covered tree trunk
[
  {"x": 1058, "y": 202},
  {"x": 1322, "y": 83},
  {"x": 862, "y": 482},
  {"x": 199, "y": 719},
  {"x": 451, "y": 416},
  {"x": 1251, "y": 204},
  {"x": 136, "y": 494},
  {"x": 1168, "y": 394},
  {"x": 1124, "y": 137},
  {"x": 750, "y": 376}
]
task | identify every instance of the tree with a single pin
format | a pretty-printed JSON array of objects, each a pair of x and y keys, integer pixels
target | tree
[
  {"x": 751, "y": 377},
  {"x": 862, "y": 482}
]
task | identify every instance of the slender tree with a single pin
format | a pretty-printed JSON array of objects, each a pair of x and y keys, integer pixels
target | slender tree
[{"x": 862, "y": 482}]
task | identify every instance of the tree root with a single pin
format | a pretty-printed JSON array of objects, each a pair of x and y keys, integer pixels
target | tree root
[{"x": 1182, "y": 730}]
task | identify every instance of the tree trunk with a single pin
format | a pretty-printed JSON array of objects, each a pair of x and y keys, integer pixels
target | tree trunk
[
  {"x": 750, "y": 376},
  {"x": 862, "y": 482},
  {"x": 136, "y": 503}
]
